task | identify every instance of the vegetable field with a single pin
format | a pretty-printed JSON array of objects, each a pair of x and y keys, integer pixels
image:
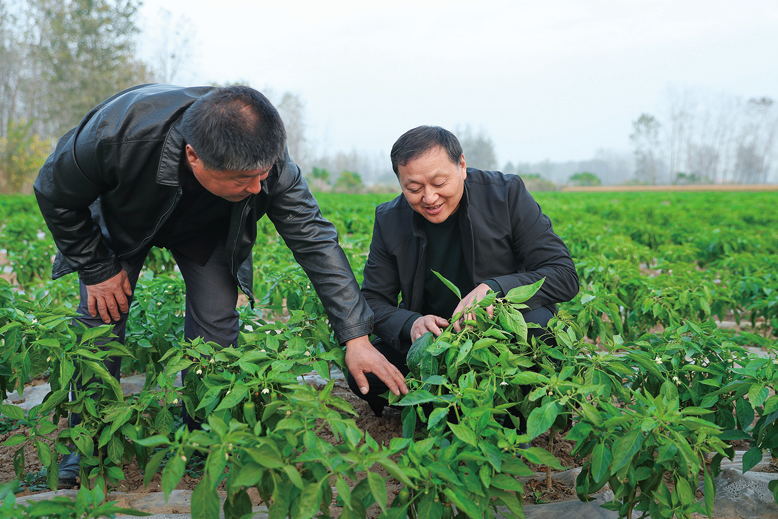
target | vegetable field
[{"x": 661, "y": 367}]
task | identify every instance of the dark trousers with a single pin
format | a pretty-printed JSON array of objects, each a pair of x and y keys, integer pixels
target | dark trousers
[
  {"x": 211, "y": 295},
  {"x": 374, "y": 397}
]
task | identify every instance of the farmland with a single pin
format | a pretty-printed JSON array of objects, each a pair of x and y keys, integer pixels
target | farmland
[{"x": 656, "y": 371}]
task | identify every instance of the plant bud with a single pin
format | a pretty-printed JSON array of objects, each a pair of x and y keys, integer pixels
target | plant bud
[{"x": 183, "y": 458}]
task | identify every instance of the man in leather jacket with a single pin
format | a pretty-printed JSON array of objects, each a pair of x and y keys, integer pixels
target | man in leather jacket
[
  {"x": 192, "y": 170},
  {"x": 482, "y": 230}
]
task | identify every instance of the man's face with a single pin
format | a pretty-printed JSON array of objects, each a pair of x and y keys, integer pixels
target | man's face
[
  {"x": 233, "y": 186},
  {"x": 432, "y": 184}
]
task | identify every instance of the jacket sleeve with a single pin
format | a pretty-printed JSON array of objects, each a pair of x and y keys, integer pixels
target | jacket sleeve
[
  {"x": 67, "y": 184},
  {"x": 381, "y": 286},
  {"x": 314, "y": 242},
  {"x": 541, "y": 252}
]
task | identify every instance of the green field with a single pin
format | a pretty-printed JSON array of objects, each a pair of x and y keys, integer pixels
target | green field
[{"x": 664, "y": 359}]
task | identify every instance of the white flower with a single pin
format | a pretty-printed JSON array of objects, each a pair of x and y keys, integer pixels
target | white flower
[
  {"x": 175, "y": 401},
  {"x": 249, "y": 328},
  {"x": 48, "y": 359},
  {"x": 183, "y": 458},
  {"x": 199, "y": 371},
  {"x": 658, "y": 359},
  {"x": 676, "y": 380},
  {"x": 503, "y": 383},
  {"x": 265, "y": 391},
  {"x": 262, "y": 350},
  {"x": 307, "y": 353},
  {"x": 212, "y": 361}
]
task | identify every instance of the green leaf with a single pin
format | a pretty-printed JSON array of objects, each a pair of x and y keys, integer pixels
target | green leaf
[
  {"x": 436, "y": 416},
  {"x": 377, "y": 488},
  {"x": 172, "y": 473},
  {"x": 205, "y": 500},
  {"x": 757, "y": 394},
  {"x": 11, "y": 411},
  {"x": 233, "y": 397},
  {"x": 524, "y": 293},
  {"x": 309, "y": 499},
  {"x": 249, "y": 475},
  {"x": 684, "y": 491},
  {"x": 451, "y": 286},
  {"x": 152, "y": 467},
  {"x": 16, "y": 439},
  {"x": 420, "y": 396},
  {"x": 745, "y": 413},
  {"x": 294, "y": 476},
  {"x": 709, "y": 493},
  {"x": 624, "y": 448},
  {"x": 540, "y": 456},
  {"x": 464, "y": 433},
  {"x": 751, "y": 458},
  {"x": 541, "y": 419},
  {"x": 463, "y": 503},
  {"x": 153, "y": 441},
  {"x": 601, "y": 461},
  {"x": 505, "y": 482},
  {"x": 106, "y": 377},
  {"x": 265, "y": 456},
  {"x": 529, "y": 377},
  {"x": 464, "y": 351},
  {"x": 44, "y": 453}
]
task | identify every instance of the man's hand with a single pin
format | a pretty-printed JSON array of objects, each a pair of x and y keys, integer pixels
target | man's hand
[
  {"x": 469, "y": 301},
  {"x": 362, "y": 358},
  {"x": 427, "y": 323},
  {"x": 109, "y": 297}
]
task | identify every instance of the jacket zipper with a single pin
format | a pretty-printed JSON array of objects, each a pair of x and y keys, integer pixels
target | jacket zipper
[
  {"x": 161, "y": 221},
  {"x": 235, "y": 243}
]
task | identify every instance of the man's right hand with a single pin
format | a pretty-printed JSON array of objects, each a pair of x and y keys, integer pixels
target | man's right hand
[
  {"x": 109, "y": 297},
  {"x": 427, "y": 323},
  {"x": 362, "y": 357}
]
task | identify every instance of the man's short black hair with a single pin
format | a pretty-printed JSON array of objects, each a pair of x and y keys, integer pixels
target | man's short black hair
[
  {"x": 419, "y": 140},
  {"x": 234, "y": 128}
]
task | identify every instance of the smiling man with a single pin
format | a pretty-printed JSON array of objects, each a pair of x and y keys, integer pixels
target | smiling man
[
  {"x": 191, "y": 170},
  {"x": 482, "y": 230}
]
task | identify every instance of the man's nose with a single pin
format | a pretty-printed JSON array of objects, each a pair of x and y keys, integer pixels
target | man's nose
[
  {"x": 429, "y": 195},
  {"x": 255, "y": 186}
]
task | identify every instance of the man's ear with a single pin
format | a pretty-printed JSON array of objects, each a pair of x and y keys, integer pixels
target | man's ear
[
  {"x": 191, "y": 154},
  {"x": 462, "y": 163}
]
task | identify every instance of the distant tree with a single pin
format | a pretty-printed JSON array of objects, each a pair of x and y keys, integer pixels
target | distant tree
[
  {"x": 478, "y": 148},
  {"x": 584, "y": 178},
  {"x": 320, "y": 174},
  {"x": 82, "y": 52},
  {"x": 348, "y": 182},
  {"x": 645, "y": 142},
  {"x": 535, "y": 182},
  {"x": 21, "y": 154},
  {"x": 684, "y": 179},
  {"x": 292, "y": 110}
]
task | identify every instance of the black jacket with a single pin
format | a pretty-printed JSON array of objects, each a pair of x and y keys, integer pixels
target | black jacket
[
  {"x": 112, "y": 182},
  {"x": 505, "y": 238}
]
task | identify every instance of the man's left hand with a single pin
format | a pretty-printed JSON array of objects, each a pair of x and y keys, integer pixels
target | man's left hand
[{"x": 468, "y": 302}]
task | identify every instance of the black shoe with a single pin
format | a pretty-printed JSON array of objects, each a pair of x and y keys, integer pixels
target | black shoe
[{"x": 69, "y": 469}]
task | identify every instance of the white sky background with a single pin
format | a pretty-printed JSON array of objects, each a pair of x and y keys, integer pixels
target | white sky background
[{"x": 545, "y": 80}]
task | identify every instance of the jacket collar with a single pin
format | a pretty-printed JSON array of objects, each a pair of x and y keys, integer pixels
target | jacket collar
[{"x": 171, "y": 157}]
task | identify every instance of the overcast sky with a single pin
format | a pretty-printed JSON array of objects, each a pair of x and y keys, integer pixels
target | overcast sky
[{"x": 556, "y": 79}]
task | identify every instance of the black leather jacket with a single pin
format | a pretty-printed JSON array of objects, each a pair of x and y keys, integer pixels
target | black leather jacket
[
  {"x": 112, "y": 182},
  {"x": 506, "y": 239}
]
